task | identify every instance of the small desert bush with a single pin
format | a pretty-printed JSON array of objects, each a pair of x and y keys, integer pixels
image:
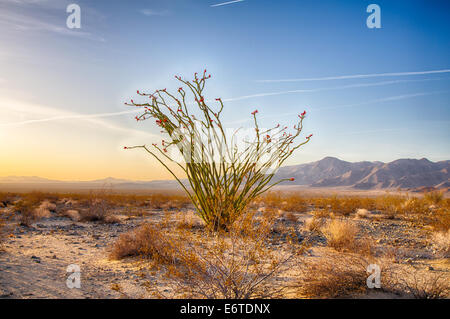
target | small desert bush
[
  {"x": 440, "y": 219},
  {"x": 441, "y": 243},
  {"x": 146, "y": 241},
  {"x": 342, "y": 236},
  {"x": 98, "y": 209},
  {"x": 334, "y": 275},
  {"x": 434, "y": 198},
  {"x": 416, "y": 283},
  {"x": 362, "y": 213},
  {"x": 27, "y": 211},
  {"x": 237, "y": 263},
  {"x": 6, "y": 199},
  {"x": 314, "y": 224}
]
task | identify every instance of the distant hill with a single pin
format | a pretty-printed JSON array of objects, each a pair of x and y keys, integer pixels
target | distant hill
[
  {"x": 411, "y": 174},
  {"x": 402, "y": 173}
]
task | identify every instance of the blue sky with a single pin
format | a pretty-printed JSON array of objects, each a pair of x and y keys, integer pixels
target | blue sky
[{"x": 60, "y": 89}]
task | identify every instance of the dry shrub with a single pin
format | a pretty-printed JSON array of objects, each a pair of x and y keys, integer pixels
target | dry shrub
[
  {"x": 190, "y": 220},
  {"x": 434, "y": 198},
  {"x": 314, "y": 224},
  {"x": 441, "y": 243},
  {"x": 290, "y": 202},
  {"x": 362, "y": 213},
  {"x": 147, "y": 241},
  {"x": 6, "y": 199},
  {"x": 440, "y": 219},
  {"x": 341, "y": 235},
  {"x": 334, "y": 275},
  {"x": 419, "y": 284},
  {"x": 237, "y": 263},
  {"x": 322, "y": 213},
  {"x": 27, "y": 211},
  {"x": 98, "y": 209}
]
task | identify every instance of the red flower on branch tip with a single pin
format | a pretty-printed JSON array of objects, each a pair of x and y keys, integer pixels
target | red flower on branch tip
[
  {"x": 218, "y": 99},
  {"x": 254, "y": 112},
  {"x": 292, "y": 179},
  {"x": 138, "y": 92},
  {"x": 309, "y": 136},
  {"x": 125, "y": 147},
  {"x": 132, "y": 101}
]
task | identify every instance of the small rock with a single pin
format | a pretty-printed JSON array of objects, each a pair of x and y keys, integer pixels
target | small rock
[{"x": 430, "y": 268}]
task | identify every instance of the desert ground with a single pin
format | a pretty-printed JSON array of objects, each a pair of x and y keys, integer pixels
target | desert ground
[{"x": 290, "y": 244}]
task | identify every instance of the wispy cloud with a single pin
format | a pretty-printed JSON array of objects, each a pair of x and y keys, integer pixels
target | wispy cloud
[
  {"x": 342, "y": 87},
  {"x": 374, "y": 101},
  {"x": 51, "y": 114},
  {"x": 358, "y": 76},
  {"x": 226, "y": 3},
  {"x": 150, "y": 12}
]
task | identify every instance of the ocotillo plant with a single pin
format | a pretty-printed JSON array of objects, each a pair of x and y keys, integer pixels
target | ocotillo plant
[{"x": 223, "y": 178}]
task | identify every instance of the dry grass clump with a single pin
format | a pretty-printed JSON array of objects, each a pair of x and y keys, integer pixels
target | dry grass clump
[
  {"x": 6, "y": 199},
  {"x": 98, "y": 209},
  {"x": 341, "y": 235},
  {"x": 315, "y": 224},
  {"x": 190, "y": 220},
  {"x": 441, "y": 243},
  {"x": 434, "y": 197},
  {"x": 290, "y": 202},
  {"x": 440, "y": 219},
  {"x": 27, "y": 211},
  {"x": 147, "y": 241},
  {"x": 334, "y": 275},
  {"x": 362, "y": 213}
]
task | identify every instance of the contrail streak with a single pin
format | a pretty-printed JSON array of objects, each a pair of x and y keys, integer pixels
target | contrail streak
[
  {"x": 69, "y": 117},
  {"x": 380, "y": 100},
  {"x": 225, "y": 3},
  {"x": 357, "y": 76},
  {"x": 325, "y": 89}
]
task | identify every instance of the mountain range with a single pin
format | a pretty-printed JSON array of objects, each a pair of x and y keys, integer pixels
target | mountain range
[
  {"x": 401, "y": 173},
  {"x": 411, "y": 174}
]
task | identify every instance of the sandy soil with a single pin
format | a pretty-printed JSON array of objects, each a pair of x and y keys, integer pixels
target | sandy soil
[{"x": 34, "y": 261}]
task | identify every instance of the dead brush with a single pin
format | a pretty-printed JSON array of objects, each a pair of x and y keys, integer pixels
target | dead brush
[
  {"x": 27, "y": 211},
  {"x": 434, "y": 198},
  {"x": 236, "y": 264},
  {"x": 99, "y": 209},
  {"x": 314, "y": 224},
  {"x": 334, "y": 275},
  {"x": 149, "y": 242},
  {"x": 419, "y": 284},
  {"x": 441, "y": 243}
]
